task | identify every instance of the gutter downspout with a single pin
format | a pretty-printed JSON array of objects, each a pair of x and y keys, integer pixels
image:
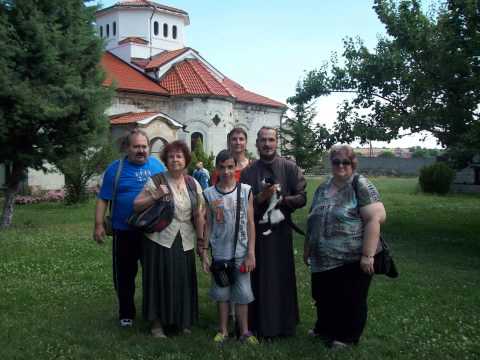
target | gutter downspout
[{"x": 153, "y": 13}]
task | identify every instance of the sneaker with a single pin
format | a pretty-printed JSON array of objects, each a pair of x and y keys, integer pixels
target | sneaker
[
  {"x": 158, "y": 333},
  {"x": 312, "y": 333},
  {"x": 126, "y": 323},
  {"x": 249, "y": 338},
  {"x": 220, "y": 338},
  {"x": 338, "y": 345}
]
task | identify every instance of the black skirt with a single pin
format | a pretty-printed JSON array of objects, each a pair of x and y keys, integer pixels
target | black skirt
[{"x": 169, "y": 284}]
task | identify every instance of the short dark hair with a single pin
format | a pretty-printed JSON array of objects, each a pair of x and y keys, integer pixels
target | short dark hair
[
  {"x": 267, "y": 128},
  {"x": 222, "y": 156},
  {"x": 127, "y": 137},
  {"x": 175, "y": 146}
]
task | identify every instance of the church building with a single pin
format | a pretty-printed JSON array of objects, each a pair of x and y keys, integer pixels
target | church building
[{"x": 167, "y": 88}]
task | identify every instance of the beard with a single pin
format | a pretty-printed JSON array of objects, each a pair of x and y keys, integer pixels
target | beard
[{"x": 267, "y": 157}]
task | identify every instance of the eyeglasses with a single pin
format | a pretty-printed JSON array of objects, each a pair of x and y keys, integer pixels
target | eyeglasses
[{"x": 338, "y": 162}]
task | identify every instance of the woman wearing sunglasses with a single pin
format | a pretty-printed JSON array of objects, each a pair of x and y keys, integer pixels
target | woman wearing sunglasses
[{"x": 342, "y": 239}]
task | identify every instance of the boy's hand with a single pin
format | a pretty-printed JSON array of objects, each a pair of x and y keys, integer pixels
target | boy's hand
[
  {"x": 249, "y": 262},
  {"x": 205, "y": 263}
]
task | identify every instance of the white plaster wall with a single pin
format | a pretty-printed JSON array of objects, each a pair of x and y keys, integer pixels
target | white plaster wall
[
  {"x": 129, "y": 102},
  {"x": 134, "y": 23},
  {"x": 168, "y": 43},
  {"x": 52, "y": 180},
  {"x": 197, "y": 114},
  {"x": 252, "y": 118},
  {"x": 110, "y": 41}
]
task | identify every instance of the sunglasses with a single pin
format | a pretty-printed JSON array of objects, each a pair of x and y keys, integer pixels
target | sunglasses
[{"x": 338, "y": 162}]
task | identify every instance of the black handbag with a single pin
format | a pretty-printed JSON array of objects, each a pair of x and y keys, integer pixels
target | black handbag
[
  {"x": 156, "y": 217},
  {"x": 223, "y": 271},
  {"x": 383, "y": 263}
]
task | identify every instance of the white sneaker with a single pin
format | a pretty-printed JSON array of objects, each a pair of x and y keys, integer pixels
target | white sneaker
[{"x": 126, "y": 323}]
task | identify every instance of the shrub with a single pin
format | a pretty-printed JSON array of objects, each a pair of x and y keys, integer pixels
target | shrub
[
  {"x": 436, "y": 178},
  {"x": 386, "y": 154}
]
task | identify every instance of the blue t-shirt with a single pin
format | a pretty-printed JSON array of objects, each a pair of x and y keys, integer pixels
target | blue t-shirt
[
  {"x": 202, "y": 176},
  {"x": 130, "y": 184}
]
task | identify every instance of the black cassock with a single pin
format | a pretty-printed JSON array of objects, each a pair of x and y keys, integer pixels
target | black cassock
[{"x": 275, "y": 309}]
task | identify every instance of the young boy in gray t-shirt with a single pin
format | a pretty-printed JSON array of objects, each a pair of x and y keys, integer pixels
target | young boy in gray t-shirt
[{"x": 221, "y": 218}]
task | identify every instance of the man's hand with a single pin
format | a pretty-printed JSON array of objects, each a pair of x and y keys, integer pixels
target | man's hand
[
  {"x": 250, "y": 262},
  {"x": 99, "y": 234},
  {"x": 266, "y": 194}
]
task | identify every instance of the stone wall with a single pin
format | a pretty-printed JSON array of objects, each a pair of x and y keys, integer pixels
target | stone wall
[{"x": 383, "y": 166}]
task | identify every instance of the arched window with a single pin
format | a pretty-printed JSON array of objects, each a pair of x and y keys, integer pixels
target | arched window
[
  {"x": 155, "y": 28},
  {"x": 108, "y": 30},
  {"x": 101, "y": 31},
  {"x": 156, "y": 146},
  {"x": 196, "y": 136},
  {"x": 114, "y": 28},
  {"x": 165, "y": 30},
  {"x": 174, "y": 31}
]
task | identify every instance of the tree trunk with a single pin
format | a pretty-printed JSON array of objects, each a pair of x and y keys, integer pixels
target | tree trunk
[{"x": 14, "y": 178}]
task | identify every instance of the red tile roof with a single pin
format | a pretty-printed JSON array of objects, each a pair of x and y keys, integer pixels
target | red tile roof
[
  {"x": 133, "y": 39},
  {"x": 143, "y": 3},
  {"x": 188, "y": 77},
  {"x": 192, "y": 77},
  {"x": 243, "y": 95},
  {"x": 127, "y": 78},
  {"x": 165, "y": 57},
  {"x": 129, "y": 118}
]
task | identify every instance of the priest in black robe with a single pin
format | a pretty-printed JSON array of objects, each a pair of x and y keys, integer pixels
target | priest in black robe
[{"x": 275, "y": 309}]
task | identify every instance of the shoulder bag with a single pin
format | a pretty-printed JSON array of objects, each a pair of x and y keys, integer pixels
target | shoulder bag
[{"x": 159, "y": 215}]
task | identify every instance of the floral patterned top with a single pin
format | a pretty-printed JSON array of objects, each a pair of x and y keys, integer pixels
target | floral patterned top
[{"x": 334, "y": 225}]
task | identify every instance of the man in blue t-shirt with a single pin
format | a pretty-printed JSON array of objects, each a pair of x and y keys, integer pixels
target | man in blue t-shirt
[
  {"x": 136, "y": 168},
  {"x": 201, "y": 175}
]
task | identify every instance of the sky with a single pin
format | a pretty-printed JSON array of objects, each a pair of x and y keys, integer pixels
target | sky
[{"x": 268, "y": 45}]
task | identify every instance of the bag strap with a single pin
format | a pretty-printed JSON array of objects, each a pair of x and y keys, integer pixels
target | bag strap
[
  {"x": 237, "y": 218},
  {"x": 115, "y": 187},
  {"x": 159, "y": 179}
]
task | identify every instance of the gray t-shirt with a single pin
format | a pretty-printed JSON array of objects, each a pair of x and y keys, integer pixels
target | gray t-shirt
[
  {"x": 221, "y": 212},
  {"x": 334, "y": 225}
]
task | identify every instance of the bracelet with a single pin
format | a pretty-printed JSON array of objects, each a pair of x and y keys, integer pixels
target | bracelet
[{"x": 368, "y": 256}]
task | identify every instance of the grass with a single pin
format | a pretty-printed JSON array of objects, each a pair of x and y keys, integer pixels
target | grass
[{"x": 57, "y": 300}]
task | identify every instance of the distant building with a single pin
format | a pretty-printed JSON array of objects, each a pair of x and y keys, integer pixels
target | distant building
[
  {"x": 374, "y": 152},
  {"x": 468, "y": 179}
]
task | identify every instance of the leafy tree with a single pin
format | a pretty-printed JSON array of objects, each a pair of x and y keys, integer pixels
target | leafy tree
[
  {"x": 80, "y": 168},
  {"x": 302, "y": 139},
  {"x": 423, "y": 76},
  {"x": 52, "y": 101}
]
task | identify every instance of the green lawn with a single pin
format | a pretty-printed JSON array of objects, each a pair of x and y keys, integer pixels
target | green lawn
[{"x": 57, "y": 301}]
